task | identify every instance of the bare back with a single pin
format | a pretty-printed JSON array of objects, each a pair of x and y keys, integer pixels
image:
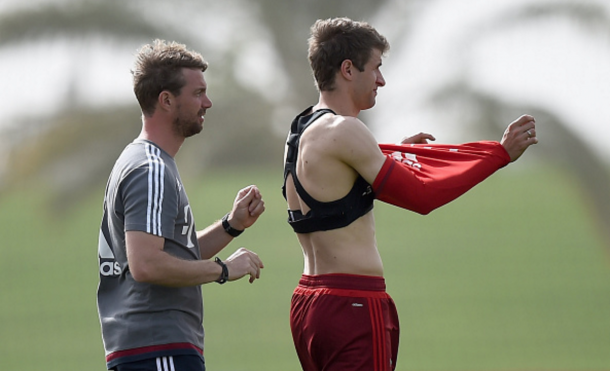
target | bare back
[{"x": 326, "y": 176}]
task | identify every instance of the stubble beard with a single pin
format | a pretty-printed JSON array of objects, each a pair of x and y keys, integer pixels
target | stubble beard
[{"x": 187, "y": 127}]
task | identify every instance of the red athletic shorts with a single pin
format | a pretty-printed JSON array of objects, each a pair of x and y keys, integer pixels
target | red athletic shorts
[{"x": 344, "y": 322}]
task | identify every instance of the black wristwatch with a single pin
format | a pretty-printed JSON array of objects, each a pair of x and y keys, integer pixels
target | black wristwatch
[
  {"x": 230, "y": 230},
  {"x": 224, "y": 276}
]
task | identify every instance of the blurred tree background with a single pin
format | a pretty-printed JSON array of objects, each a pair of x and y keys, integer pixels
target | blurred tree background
[
  {"x": 67, "y": 106},
  {"x": 259, "y": 77}
]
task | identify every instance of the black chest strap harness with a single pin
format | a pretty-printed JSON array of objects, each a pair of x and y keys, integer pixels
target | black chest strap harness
[{"x": 322, "y": 216}]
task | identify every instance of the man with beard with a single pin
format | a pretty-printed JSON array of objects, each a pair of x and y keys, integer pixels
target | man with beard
[{"x": 152, "y": 260}]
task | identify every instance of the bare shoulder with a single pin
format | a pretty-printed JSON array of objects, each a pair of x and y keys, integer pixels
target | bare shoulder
[
  {"x": 356, "y": 138},
  {"x": 345, "y": 123},
  {"x": 344, "y": 131},
  {"x": 348, "y": 140}
]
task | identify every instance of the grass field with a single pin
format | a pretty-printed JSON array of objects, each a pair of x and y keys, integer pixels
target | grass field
[{"x": 510, "y": 277}]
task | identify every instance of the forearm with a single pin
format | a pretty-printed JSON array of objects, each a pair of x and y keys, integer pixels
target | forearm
[
  {"x": 212, "y": 240},
  {"x": 248, "y": 206},
  {"x": 148, "y": 262},
  {"x": 423, "y": 178},
  {"x": 171, "y": 271}
]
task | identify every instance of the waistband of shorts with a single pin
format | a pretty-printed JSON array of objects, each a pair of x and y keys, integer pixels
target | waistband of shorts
[{"x": 343, "y": 281}]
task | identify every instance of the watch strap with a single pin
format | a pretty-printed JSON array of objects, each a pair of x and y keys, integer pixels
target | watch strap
[
  {"x": 227, "y": 227},
  {"x": 224, "y": 276}
]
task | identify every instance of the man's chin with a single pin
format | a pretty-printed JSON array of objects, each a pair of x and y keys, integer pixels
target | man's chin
[
  {"x": 189, "y": 131},
  {"x": 369, "y": 106},
  {"x": 194, "y": 131}
]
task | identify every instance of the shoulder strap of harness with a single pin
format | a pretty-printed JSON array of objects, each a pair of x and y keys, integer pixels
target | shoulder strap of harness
[{"x": 298, "y": 126}]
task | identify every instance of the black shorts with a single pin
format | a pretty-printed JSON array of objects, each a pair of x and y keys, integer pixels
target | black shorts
[{"x": 169, "y": 363}]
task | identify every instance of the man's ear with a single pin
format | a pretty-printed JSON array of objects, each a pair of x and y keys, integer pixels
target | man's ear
[
  {"x": 165, "y": 100},
  {"x": 347, "y": 69}
]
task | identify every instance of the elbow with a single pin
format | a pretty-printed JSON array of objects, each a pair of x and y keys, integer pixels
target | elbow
[
  {"x": 419, "y": 207},
  {"x": 141, "y": 273},
  {"x": 423, "y": 209},
  {"x": 425, "y": 205}
]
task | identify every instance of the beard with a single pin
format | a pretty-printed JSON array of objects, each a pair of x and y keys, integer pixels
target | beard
[{"x": 187, "y": 126}]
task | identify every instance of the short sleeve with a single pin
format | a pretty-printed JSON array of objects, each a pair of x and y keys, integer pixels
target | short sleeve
[{"x": 150, "y": 200}]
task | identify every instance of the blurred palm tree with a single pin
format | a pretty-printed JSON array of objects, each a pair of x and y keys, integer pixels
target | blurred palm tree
[
  {"x": 75, "y": 148},
  {"x": 559, "y": 145},
  {"x": 289, "y": 22},
  {"x": 70, "y": 149}
]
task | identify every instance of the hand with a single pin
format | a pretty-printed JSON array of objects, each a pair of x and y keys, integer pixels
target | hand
[
  {"x": 421, "y": 138},
  {"x": 247, "y": 207},
  {"x": 519, "y": 135},
  {"x": 243, "y": 262}
]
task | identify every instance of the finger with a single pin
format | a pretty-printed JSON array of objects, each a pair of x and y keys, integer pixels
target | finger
[
  {"x": 519, "y": 129},
  {"x": 257, "y": 192},
  {"x": 424, "y": 138},
  {"x": 242, "y": 192},
  {"x": 245, "y": 194},
  {"x": 524, "y": 119},
  {"x": 259, "y": 262},
  {"x": 529, "y": 133},
  {"x": 421, "y": 138},
  {"x": 257, "y": 271},
  {"x": 254, "y": 272},
  {"x": 531, "y": 125},
  {"x": 258, "y": 209},
  {"x": 256, "y": 260},
  {"x": 254, "y": 203},
  {"x": 254, "y": 191}
]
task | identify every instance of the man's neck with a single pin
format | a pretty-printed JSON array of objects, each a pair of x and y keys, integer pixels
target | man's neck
[
  {"x": 161, "y": 133},
  {"x": 338, "y": 102}
]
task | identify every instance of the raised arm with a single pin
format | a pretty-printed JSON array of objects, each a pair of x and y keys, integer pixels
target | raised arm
[{"x": 247, "y": 208}]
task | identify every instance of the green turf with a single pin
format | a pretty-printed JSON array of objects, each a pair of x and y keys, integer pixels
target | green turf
[{"x": 510, "y": 277}]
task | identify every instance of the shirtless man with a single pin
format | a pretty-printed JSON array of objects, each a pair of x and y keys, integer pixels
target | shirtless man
[{"x": 341, "y": 316}]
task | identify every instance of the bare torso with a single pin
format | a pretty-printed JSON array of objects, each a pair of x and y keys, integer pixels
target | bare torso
[{"x": 351, "y": 249}]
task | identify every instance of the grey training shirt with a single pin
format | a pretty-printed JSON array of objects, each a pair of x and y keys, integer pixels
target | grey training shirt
[{"x": 141, "y": 320}]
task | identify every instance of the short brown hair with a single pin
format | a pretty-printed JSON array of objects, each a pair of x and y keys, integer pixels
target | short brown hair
[
  {"x": 334, "y": 40},
  {"x": 158, "y": 67}
]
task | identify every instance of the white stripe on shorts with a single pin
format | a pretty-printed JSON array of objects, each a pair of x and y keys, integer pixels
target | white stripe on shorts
[{"x": 165, "y": 364}]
